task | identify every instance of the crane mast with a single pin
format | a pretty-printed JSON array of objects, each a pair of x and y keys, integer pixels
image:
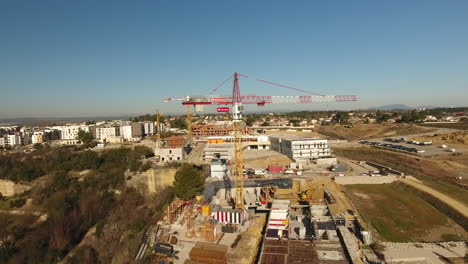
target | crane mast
[{"x": 238, "y": 149}]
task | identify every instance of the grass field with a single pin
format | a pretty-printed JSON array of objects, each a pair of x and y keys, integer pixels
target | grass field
[
  {"x": 400, "y": 216},
  {"x": 424, "y": 169}
]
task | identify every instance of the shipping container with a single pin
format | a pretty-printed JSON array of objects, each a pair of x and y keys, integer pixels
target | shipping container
[{"x": 275, "y": 168}]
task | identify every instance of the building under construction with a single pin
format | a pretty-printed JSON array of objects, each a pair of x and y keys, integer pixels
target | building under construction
[{"x": 215, "y": 130}]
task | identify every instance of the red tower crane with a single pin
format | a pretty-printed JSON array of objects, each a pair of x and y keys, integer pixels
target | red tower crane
[{"x": 237, "y": 100}]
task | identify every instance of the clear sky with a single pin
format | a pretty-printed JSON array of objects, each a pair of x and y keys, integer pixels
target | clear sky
[{"x": 88, "y": 58}]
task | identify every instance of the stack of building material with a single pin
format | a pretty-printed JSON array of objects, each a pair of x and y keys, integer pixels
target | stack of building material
[
  {"x": 209, "y": 253},
  {"x": 209, "y": 230}
]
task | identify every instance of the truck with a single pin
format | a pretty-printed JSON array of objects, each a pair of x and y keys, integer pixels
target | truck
[{"x": 259, "y": 172}]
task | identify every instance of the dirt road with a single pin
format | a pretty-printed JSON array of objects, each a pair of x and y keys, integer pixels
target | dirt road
[{"x": 459, "y": 206}]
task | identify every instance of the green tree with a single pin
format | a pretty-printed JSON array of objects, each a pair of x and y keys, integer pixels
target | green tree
[
  {"x": 188, "y": 182},
  {"x": 250, "y": 120},
  {"x": 341, "y": 117},
  {"x": 178, "y": 123},
  {"x": 85, "y": 137}
]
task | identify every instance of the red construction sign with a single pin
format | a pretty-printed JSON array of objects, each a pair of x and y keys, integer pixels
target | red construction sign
[{"x": 222, "y": 109}]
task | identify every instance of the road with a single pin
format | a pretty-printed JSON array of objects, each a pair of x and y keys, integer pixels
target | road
[
  {"x": 196, "y": 155},
  {"x": 459, "y": 206}
]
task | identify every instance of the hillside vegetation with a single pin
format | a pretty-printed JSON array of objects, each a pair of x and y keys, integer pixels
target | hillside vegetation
[{"x": 76, "y": 204}]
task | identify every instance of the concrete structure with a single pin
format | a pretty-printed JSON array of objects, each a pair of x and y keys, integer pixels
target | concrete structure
[
  {"x": 218, "y": 168},
  {"x": 365, "y": 179},
  {"x": 326, "y": 161},
  {"x": 215, "y": 130},
  {"x": 300, "y": 148},
  {"x": 3, "y": 142},
  {"x": 218, "y": 151},
  {"x": 137, "y": 130},
  {"x": 169, "y": 154},
  {"x": 69, "y": 142},
  {"x": 249, "y": 141}
]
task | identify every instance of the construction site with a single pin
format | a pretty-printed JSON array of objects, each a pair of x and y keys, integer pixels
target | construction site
[
  {"x": 253, "y": 211},
  {"x": 270, "y": 198}
]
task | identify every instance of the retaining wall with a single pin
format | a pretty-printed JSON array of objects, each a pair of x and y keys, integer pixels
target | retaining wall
[{"x": 365, "y": 179}]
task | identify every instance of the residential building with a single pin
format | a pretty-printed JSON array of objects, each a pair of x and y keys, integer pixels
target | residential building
[
  {"x": 102, "y": 133},
  {"x": 126, "y": 132},
  {"x": 14, "y": 140},
  {"x": 37, "y": 138},
  {"x": 300, "y": 148},
  {"x": 149, "y": 128},
  {"x": 137, "y": 130},
  {"x": 71, "y": 131}
]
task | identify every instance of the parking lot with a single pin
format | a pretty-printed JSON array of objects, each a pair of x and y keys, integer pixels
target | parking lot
[{"x": 415, "y": 147}]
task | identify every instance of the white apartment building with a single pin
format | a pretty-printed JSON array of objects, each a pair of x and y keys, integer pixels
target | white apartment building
[
  {"x": 101, "y": 133},
  {"x": 126, "y": 132},
  {"x": 2, "y": 142},
  {"x": 14, "y": 140},
  {"x": 71, "y": 132},
  {"x": 37, "y": 138},
  {"x": 149, "y": 128},
  {"x": 300, "y": 148}
]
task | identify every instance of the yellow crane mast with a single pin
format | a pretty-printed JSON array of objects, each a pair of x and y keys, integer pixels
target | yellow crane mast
[
  {"x": 189, "y": 124},
  {"x": 238, "y": 150}
]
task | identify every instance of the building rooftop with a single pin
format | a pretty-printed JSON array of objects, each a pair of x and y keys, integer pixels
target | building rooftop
[{"x": 295, "y": 137}]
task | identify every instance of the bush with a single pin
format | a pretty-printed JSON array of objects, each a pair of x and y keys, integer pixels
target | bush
[{"x": 188, "y": 182}]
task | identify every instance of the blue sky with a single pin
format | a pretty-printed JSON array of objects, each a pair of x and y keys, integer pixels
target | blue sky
[{"x": 88, "y": 58}]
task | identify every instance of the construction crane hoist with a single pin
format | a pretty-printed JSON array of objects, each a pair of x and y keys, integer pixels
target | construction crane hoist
[{"x": 236, "y": 100}]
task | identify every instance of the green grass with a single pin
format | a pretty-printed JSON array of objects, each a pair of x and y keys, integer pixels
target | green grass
[{"x": 397, "y": 215}]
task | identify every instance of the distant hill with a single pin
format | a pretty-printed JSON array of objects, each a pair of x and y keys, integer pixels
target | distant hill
[
  {"x": 35, "y": 120},
  {"x": 400, "y": 107},
  {"x": 391, "y": 107}
]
